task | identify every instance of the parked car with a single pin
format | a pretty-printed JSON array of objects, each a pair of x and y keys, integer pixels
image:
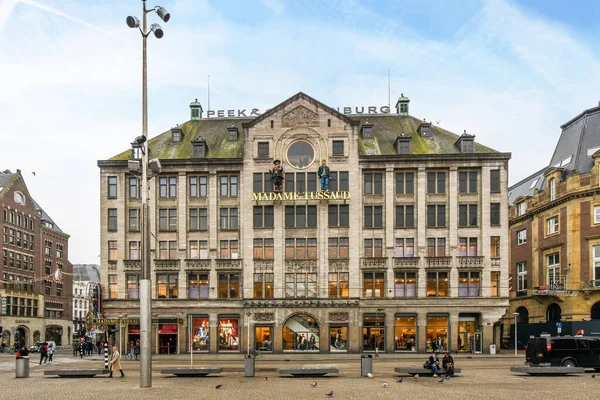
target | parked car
[
  {"x": 35, "y": 348},
  {"x": 565, "y": 351}
]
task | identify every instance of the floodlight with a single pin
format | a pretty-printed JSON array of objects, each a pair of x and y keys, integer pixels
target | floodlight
[
  {"x": 154, "y": 165},
  {"x": 163, "y": 14},
  {"x": 158, "y": 32},
  {"x": 134, "y": 165},
  {"x": 140, "y": 139},
  {"x": 133, "y": 22}
]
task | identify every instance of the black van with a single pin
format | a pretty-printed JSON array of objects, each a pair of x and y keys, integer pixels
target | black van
[{"x": 565, "y": 351}]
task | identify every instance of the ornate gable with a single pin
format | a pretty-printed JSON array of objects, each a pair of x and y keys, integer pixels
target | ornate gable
[{"x": 300, "y": 116}]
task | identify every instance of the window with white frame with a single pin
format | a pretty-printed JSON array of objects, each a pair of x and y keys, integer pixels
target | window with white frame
[
  {"x": 552, "y": 224},
  {"x": 596, "y": 277},
  {"x": 597, "y": 214},
  {"x": 552, "y": 189},
  {"x": 522, "y": 208},
  {"x": 553, "y": 269},
  {"x": 522, "y": 237},
  {"x": 522, "y": 277}
]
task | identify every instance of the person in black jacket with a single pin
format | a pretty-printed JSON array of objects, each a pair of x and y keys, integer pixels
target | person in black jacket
[
  {"x": 448, "y": 365},
  {"x": 323, "y": 173},
  {"x": 277, "y": 176}
]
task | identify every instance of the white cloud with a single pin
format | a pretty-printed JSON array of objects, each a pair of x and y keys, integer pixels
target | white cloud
[{"x": 276, "y": 6}]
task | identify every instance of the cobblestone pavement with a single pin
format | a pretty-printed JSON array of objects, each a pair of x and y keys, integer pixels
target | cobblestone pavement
[{"x": 487, "y": 377}]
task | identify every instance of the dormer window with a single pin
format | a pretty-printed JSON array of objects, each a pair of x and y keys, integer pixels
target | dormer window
[
  {"x": 233, "y": 133},
  {"x": 425, "y": 129},
  {"x": 176, "y": 135},
  {"x": 466, "y": 143},
  {"x": 467, "y": 146},
  {"x": 402, "y": 105},
  {"x": 199, "y": 148},
  {"x": 552, "y": 185},
  {"x": 402, "y": 144},
  {"x": 367, "y": 130},
  {"x": 522, "y": 208},
  {"x": 195, "y": 110}
]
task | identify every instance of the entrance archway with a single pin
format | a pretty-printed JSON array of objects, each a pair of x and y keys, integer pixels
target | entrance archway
[
  {"x": 523, "y": 317},
  {"x": 301, "y": 333},
  {"x": 595, "y": 311},
  {"x": 553, "y": 313},
  {"x": 22, "y": 336},
  {"x": 36, "y": 336}
]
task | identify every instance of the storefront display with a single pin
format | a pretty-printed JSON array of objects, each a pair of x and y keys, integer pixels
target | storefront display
[
  {"x": 167, "y": 336},
  {"x": 405, "y": 333},
  {"x": 437, "y": 332},
  {"x": 467, "y": 324},
  {"x": 338, "y": 335},
  {"x": 200, "y": 333},
  {"x": 263, "y": 338},
  {"x": 374, "y": 333},
  {"x": 301, "y": 333},
  {"x": 229, "y": 334}
]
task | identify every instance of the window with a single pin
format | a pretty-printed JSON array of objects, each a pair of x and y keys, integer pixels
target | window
[
  {"x": 134, "y": 250},
  {"x": 469, "y": 284},
  {"x": 198, "y": 249},
  {"x": 166, "y": 286},
  {"x": 133, "y": 285},
  {"x": 373, "y": 183},
  {"x": 162, "y": 187},
  {"x": 436, "y": 182},
  {"x": 263, "y": 249},
  {"x": 228, "y": 249},
  {"x": 167, "y": 250},
  {"x": 339, "y": 215},
  {"x": 552, "y": 224},
  {"x": 467, "y": 247},
  {"x": 405, "y": 216},
  {"x": 167, "y": 219},
  {"x": 467, "y": 215},
  {"x": 552, "y": 186},
  {"x": 338, "y": 180},
  {"x": 338, "y": 284},
  {"x": 374, "y": 284},
  {"x": 112, "y": 219},
  {"x": 373, "y": 216},
  {"x": 522, "y": 237},
  {"x": 176, "y": 135},
  {"x": 301, "y": 249},
  {"x": 198, "y": 287},
  {"x": 405, "y": 247},
  {"x": 436, "y": 215},
  {"x": 495, "y": 214},
  {"x": 495, "y": 284},
  {"x": 59, "y": 250},
  {"x": 112, "y": 250},
  {"x": 263, "y": 149},
  {"x": 229, "y": 286},
  {"x": 373, "y": 248},
  {"x": 338, "y": 248},
  {"x": 302, "y": 182},
  {"x": 522, "y": 208},
  {"x": 597, "y": 214},
  {"x": 172, "y": 186},
  {"x": 301, "y": 285},
  {"x": 198, "y": 186},
  {"x": 262, "y": 182},
  {"x": 135, "y": 188},
  {"x": 367, "y": 131},
  {"x": 467, "y": 181},
  {"x": 553, "y": 269},
  {"x": 405, "y": 284},
  {"x": 437, "y": 284},
  {"x": 494, "y": 246},
  {"x": 112, "y": 286},
  {"x": 112, "y": 187},
  {"x": 263, "y": 286},
  {"x": 300, "y": 216},
  {"x": 596, "y": 266},
  {"x": 405, "y": 182},
  {"x": 436, "y": 247},
  {"x": 495, "y": 181},
  {"x": 522, "y": 277},
  {"x": 134, "y": 220},
  {"x": 338, "y": 148},
  {"x": 228, "y": 218},
  {"x": 198, "y": 219},
  {"x": 228, "y": 185},
  {"x": 263, "y": 217}
]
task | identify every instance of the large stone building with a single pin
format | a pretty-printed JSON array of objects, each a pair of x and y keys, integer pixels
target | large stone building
[
  {"x": 555, "y": 237},
  {"x": 85, "y": 280},
  {"x": 36, "y": 299},
  {"x": 408, "y": 249}
]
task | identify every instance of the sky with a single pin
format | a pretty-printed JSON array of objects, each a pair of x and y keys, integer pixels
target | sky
[{"x": 509, "y": 72}]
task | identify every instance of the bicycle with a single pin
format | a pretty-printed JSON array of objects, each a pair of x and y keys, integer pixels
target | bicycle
[
  {"x": 9, "y": 350},
  {"x": 131, "y": 357}
]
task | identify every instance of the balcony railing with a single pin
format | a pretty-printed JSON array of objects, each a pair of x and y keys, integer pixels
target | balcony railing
[
  {"x": 196, "y": 264},
  {"x": 132, "y": 265},
  {"x": 373, "y": 262},
  {"x": 470, "y": 262},
  {"x": 171, "y": 264},
  {"x": 229, "y": 263},
  {"x": 438, "y": 262},
  {"x": 406, "y": 262},
  {"x": 591, "y": 285}
]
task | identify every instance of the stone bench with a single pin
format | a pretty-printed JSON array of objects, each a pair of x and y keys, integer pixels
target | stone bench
[
  {"x": 310, "y": 370},
  {"x": 197, "y": 371},
  {"x": 422, "y": 371},
  {"x": 76, "y": 373},
  {"x": 548, "y": 371}
]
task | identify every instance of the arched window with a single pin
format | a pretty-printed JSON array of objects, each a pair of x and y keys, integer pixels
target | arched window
[
  {"x": 552, "y": 189},
  {"x": 595, "y": 312},
  {"x": 523, "y": 317},
  {"x": 301, "y": 333},
  {"x": 553, "y": 313}
]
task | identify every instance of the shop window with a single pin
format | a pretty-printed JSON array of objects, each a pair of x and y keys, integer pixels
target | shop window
[
  {"x": 263, "y": 337},
  {"x": 437, "y": 333},
  {"x": 229, "y": 334},
  {"x": 301, "y": 333},
  {"x": 200, "y": 333},
  {"x": 338, "y": 335},
  {"x": 405, "y": 333},
  {"x": 374, "y": 332}
]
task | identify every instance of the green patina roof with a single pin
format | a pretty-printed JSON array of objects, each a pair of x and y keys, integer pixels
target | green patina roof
[
  {"x": 213, "y": 131},
  {"x": 386, "y": 128}
]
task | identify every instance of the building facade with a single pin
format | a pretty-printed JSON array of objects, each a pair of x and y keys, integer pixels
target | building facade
[
  {"x": 36, "y": 283},
  {"x": 555, "y": 237},
  {"x": 406, "y": 250},
  {"x": 85, "y": 280}
]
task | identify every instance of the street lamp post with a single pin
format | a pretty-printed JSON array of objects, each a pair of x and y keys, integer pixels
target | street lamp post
[
  {"x": 145, "y": 281},
  {"x": 378, "y": 330},
  {"x": 516, "y": 314}
]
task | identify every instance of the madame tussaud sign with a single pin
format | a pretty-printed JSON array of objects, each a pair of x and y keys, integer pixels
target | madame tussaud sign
[{"x": 324, "y": 195}]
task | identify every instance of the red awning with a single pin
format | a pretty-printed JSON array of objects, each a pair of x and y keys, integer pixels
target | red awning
[{"x": 167, "y": 328}]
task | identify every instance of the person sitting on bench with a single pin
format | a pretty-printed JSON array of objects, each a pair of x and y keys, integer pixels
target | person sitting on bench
[
  {"x": 434, "y": 364},
  {"x": 448, "y": 365}
]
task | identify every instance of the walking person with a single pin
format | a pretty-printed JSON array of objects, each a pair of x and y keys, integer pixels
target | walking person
[
  {"x": 44, "y": 353},
  {"x": 115, "y": 362},
  {"x": 74, "y": 347},
  {"x": 323, "y": 173},
  {"x": 51, "y": 350}
]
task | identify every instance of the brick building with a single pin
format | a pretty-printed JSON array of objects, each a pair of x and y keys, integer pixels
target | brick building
[
  {"x": 407, "y": 250},
  {"x": 36, "y": 300}
]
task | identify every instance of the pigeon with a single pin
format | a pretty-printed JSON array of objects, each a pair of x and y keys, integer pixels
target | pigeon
[
  {"x": 593, "y": 376},
  {"x": 416, "y": 376},
  {"x": 441, "y": 380},
  {"x": 400, "y": 380},
  {"x": 266, "y": 378},
  {"x": 219, "y": 386},
  {"x": 384, "y": 384},
  {"x": 370, "y": 375},
  {"x": 314, "y": 384},
  {"x": 330, "y": 394}
]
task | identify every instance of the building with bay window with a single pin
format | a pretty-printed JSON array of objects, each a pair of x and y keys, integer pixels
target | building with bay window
[{"x": 406, "y": 250}]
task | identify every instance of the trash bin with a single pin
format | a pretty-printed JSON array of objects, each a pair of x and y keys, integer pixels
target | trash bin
[
  {"x": 366, "y": 365},
  {"x": 249, "y": 363},
  {"x": 22, "y": 367},
  {"x": 492, "y": 349}
]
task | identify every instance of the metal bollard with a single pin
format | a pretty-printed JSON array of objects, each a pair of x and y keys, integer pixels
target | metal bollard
[{"x": 105, "y": 355}]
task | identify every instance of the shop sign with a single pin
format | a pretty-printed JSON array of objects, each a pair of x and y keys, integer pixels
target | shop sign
[
  {"x": 113, "y": 321},
  {"x": 255, "y": 112},
  {"x": 292, "y": 196},
  {"x": 22, "y": 321},
  {"x": 547, "y": 292}
]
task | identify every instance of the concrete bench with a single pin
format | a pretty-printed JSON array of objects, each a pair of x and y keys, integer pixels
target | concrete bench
[
  {"x": 76, "y": 373},
  {"x": 198, "y": 371},
  {"x": 310, "y": 370},
  {"x": 422, "y": 371},
  {"x": 548, "y": 371}
]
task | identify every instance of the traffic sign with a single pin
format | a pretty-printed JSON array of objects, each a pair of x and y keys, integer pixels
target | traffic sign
[
  {"x": 559, "y": 325},
  {"x": 559, "y": 329}
]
